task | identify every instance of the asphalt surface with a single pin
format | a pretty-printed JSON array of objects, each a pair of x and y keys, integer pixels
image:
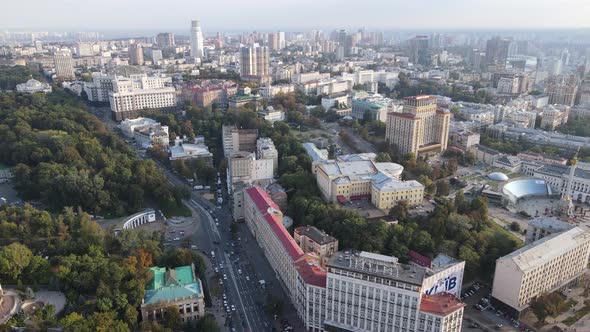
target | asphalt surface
[{"x": 240, "y": 263}]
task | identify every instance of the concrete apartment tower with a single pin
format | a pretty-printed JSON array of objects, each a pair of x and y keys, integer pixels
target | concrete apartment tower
[{"x": 196, "y": 40}]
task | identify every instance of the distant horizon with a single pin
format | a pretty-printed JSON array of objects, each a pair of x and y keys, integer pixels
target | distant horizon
[{"x": 304, "y": 15}]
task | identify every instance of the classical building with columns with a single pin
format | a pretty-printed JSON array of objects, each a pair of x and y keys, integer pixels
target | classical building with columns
[
  {"x": 136, "y": 220},
  {"x": 173, "y": 287}
]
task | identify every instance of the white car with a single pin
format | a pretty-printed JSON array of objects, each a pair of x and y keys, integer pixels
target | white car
[
  {"x": 225, "y": 277},
  {"x": 233, "y": 308}
]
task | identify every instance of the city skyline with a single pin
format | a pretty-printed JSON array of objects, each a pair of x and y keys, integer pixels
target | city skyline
[{"x": 305, "y": 14}]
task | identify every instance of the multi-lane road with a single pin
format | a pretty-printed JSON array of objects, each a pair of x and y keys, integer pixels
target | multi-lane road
[{"x": 241, "y": 304}]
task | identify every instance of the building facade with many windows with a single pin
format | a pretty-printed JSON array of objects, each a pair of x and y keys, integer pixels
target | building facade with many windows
[
  {"x": 421, "y": 128},
  {"x": 551, "y": 263},
  {"x": 354, "y": 290}
]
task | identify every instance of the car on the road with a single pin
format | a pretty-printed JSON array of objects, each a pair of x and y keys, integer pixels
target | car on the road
[
  {"x": 194, "y": 247},
  {"x": 224, "y": 297},
  {"x": 181, "y": 232},
  {"x": 247, "y": 278},
  {"x": 216, "y": 242},
  {"x": 217, "y": 224},
  {"x": 172, "y": 231},
  {"x": 176, "y": 239},
  {"x": 233, "y": 308},
  {"x": 225, "y": 277},
  {"x": 216, "y": 270},
  {"x": 239, "y": 271},
  {"x": 211, "y": 211},
  {"x": 499, "y": 326}
]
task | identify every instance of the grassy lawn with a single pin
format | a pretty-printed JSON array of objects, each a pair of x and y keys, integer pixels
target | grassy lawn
[
  {"x": 501, "y": 231},
  {"x": 579, "y": 314},
  {"x": 177, "y": 211}
]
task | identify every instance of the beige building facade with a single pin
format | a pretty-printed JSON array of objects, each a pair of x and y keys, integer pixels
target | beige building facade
[{"x": 421, "y": 128}]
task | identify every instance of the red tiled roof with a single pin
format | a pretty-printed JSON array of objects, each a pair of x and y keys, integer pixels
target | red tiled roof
[
  {"x": 419, "y": 259},
  {"x": 264, "y": 204},
  {"x": 440, "y": 304},
  {"x": 309, "y": 268}
]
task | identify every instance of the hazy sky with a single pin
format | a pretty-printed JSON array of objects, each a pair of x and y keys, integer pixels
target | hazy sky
[{"x": 232, "y": 15}]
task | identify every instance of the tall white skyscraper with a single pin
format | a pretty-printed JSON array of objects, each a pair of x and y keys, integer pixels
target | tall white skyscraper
[
  {"x": 281, "y": 40},
  {"x": 196, "y": 40}
]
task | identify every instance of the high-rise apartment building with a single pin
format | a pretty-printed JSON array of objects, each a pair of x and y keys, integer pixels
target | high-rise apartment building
[
  {"x": 282, "y": 40},
  {"x": 165, "y": 39},
  {"x": 273, "y": 41},
  {"x": 562, "y": 89},
  {"x": 64, "y": 65},
  {"x": 497, "y": 50},
  {"x": 421, "y": 128},
  {"x": 135, "y": 54},
  {"x": 419, "y": 50},
  {"x": 254, "y": 61},
  {"x": 196, "y": 40}
]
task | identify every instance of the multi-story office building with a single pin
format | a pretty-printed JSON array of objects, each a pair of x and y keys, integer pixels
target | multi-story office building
[
  {"x": 371, "y": 292},
  {"x": 165, "y": 39},
  {"x": 543, "y": 226},
  {"x": 562, "y": 89},
  {"x": 235, "y": 140},
  {"x": 196, "y": 40},
  {"x": 64, "y": 65},
  {"x": 354, "y": 291},
  {"x": 357, "y": 177},
  {"x": 98, "y": 90},
  {"x": 265, "y": 221},
  {"x": 135, "y": 54},
  {"x": 265, "y": 149},
  {"x": 178, "y": 287},
  {"x": 555, "y": 261},
  {"x": 421, "y": 128},
  {"x": 254, "y": 61},
  {"x": 377, "y": 106},
  {"x": 313, "y": 240},
  {"x": 139, "y": 92}
]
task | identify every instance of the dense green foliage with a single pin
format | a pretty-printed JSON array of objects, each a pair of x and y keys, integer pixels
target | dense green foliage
[
  {"x": 103, "y": 276},
  {"x": 10, "y": 76},
  {"x": 406, "y": 87},
  {"x": 64, "y": 156},
  {"x": 578, "y": 127}
]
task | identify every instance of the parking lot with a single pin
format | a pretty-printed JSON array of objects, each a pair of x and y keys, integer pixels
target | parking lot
[{"x": 481, "y": 316}]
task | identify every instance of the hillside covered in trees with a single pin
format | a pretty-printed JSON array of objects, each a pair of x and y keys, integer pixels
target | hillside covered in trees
[{"x": 64, "y": 156}]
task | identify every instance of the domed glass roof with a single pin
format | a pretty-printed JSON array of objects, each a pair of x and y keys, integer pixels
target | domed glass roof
[{"x": 498, "y": 176}]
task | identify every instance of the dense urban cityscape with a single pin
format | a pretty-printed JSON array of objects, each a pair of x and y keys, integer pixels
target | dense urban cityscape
[{"x": 343, "y": 178}]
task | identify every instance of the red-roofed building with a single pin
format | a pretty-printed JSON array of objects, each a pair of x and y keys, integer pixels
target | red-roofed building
[
  {"x": 311, "y": 291},
  {"x": 265, "y": 221},
  {"x": 211, "y": 93},
  {"x": 419, "y": 259},
  {"x": 441, "y": 312}
]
